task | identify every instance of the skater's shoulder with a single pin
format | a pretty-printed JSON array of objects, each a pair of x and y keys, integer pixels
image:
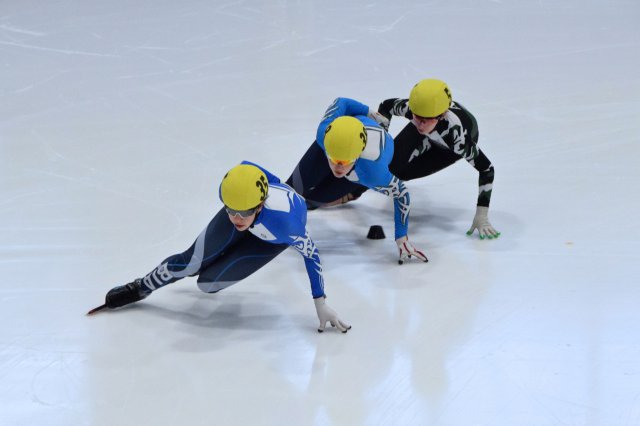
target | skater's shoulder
[
  {"x": 376, "y": 143},
  {"x": 282, "y": 198}
]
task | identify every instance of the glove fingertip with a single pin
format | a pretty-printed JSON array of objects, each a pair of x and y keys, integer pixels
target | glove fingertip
[{"x": 320, "y": 330}]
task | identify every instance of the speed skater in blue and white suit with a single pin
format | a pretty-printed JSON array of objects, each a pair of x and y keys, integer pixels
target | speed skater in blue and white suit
[
  {"x": 351, "y": 148},
  {"x": 261, "y": 217}
]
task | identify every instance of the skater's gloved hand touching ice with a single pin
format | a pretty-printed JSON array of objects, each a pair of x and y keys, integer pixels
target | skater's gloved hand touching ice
[
  {"x": 482, "y": 224},
  {"x": 407, "y": 250},
  {"x": 326, "y": 314}
]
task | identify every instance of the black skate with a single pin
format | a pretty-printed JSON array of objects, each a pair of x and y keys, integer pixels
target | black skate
[{"x": 123, "y": 295}]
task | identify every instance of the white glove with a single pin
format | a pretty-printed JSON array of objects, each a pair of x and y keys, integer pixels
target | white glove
[
  {"x": 379, "y": 118},
  {"x": 407, "y": 250},
  {"x": 481, "y": 223},
  {"x": 325, "y": 313}
]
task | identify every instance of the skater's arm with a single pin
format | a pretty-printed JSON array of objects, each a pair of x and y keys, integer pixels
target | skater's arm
[
  {"x": 395, "y": 107},
  {"x": 307, "y": 248},
  {"x": 486, "y": 174},
  {"x": 401, "y": 204}
]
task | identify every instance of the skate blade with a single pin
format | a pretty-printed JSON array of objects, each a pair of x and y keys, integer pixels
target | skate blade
[{"x": 97, "y": 309}]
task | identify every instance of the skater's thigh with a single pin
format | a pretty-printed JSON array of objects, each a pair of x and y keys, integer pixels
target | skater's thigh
[
  {"x": 238, "y": 262},
  {"x": 212, "y": 241},
  {"x": 425, "y": 164},
  {"x": 311, "y": 170}
]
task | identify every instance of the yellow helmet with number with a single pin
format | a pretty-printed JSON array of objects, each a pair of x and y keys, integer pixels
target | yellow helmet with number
[
  {"x": 345, "y": 139},
  {"x": 430, "y": 98},
  {"x": 244, "y": 187}
]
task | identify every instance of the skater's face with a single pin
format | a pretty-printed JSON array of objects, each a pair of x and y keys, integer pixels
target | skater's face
[
  {"x": 340, "y": 168},
  {"x": 425, "y": 125},
  {"x": 243, "y": 220}
]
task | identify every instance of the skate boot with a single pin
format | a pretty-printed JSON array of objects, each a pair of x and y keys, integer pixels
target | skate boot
[{"x": 126, "y": 294}]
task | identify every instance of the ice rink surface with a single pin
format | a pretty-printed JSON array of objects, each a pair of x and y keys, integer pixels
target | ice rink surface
[{"x": 119, "y": 118}]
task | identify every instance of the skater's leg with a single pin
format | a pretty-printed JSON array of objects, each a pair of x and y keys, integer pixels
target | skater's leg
[
  {"x": 238, "y": 262},
  {"x": 208, "y": 246},
  {"x": 415, "y": 157},
  {"x": 312, "y": 178},
  {"x": 217, "y": 237},
  {"x": 310, "y": 171}
]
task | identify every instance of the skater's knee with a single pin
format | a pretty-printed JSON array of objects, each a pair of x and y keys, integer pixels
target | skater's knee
[{"x": 215, "y": 286}]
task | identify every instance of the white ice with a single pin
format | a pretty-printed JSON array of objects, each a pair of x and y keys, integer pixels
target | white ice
[{"x": 119, "y": 118}]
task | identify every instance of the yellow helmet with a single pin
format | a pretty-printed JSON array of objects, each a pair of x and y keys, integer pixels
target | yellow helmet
[
  {"x": 430, "y": 98},
  {"x": 345, "y": 139},
  {"x": 244, "y": 187}
]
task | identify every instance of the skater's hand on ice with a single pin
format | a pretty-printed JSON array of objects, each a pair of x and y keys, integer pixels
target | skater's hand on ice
[
  {"x": 407, "y": 250},
  {"x": 326, "y": 314},
  {"x": 379, "y": 118},
  {"x": 482, "y": 224}
]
